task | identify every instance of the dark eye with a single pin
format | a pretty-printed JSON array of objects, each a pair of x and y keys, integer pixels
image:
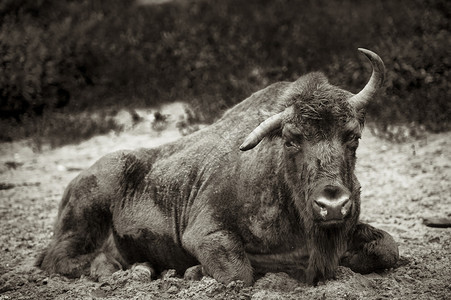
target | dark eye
[
  {"x": 289, "y": 144},
  {"x": 351, "y": 137},
  {"x": 353, "y": 144}
]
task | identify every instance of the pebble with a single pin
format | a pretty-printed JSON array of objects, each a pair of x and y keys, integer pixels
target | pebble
[
  {"x": 172, "y": 290},
  {"x": 141, "y": 273}
]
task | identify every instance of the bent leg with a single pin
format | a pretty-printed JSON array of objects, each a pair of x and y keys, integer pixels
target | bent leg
[
  {"x": 82, "y": 227},
  {"x": 60, "y": 257},
  {"x": 107, "y": 261},
  {"x": 371, "y": 249},
  {"x": 221, "y": 255}
]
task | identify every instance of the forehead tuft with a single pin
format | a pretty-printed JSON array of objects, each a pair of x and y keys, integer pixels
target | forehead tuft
[{"x": 322, "y": 109}]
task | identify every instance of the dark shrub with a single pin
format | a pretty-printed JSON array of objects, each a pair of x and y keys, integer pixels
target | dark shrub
[{"x": 93, "y": 54}]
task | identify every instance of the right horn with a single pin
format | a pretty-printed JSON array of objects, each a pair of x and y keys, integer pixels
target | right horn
[
  {"x": 262, "y": 130},
  {"x": 361, "y": 99}
]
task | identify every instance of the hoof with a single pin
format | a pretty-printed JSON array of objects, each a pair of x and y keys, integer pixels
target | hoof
[
  {"x": 194, "y": 273},
  {"x": 142, "y": 272}
]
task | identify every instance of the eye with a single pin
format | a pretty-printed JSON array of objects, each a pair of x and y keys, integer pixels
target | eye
[
  {"x": 289, "y": 144},
  {"x": 351, "y": 140},
  {"x": 351, "y": 137},
  {"x": 353, "y": 143},
  {"x": 354, "y": 139}
]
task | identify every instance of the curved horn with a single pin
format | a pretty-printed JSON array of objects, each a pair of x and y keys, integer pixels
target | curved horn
[
  {"x": 261, "y": 131},
  {"x": 361, "y": 99}
]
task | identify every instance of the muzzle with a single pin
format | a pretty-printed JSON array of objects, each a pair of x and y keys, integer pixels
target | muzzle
[{"x": 331, "y": 203}]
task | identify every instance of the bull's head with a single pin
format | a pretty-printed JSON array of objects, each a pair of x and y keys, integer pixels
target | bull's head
[{"x": 320, "y": 128}]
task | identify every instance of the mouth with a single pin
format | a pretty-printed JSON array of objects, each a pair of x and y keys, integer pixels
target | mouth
[{"x": 330, "y": 223}]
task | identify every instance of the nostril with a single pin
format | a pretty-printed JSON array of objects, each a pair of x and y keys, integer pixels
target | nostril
[
  {"x": 320, "y": 203},
  {"x": 345, "y": 206},
  {"x": 332, "y": 209},
  {"x": 321, "y": 209}
]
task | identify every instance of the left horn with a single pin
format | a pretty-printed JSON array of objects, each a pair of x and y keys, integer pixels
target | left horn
[
  {"x": 261, "y": 131},
  {"x": 361, "y": 99}
]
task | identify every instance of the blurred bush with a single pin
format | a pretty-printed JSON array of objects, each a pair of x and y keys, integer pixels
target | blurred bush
[{"x": 76, "y": 55}]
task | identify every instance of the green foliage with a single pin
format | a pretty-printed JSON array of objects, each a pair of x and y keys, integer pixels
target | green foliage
[{"x": 213, "y": 54}]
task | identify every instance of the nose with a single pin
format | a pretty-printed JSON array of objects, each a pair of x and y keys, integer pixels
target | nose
[{"x": 332, "y": 203}]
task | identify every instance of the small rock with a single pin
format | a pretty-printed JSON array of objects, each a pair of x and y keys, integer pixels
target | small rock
[
  {"x": 172, "y": 289},
  {"x": 235, "y": 285},
  {"x": 171, "y": 273},
  {"x": 434, "y": 240},
  {"x": 6, "y": 186},
  {"x": 13, "y": 164},
  {"x": 73, "y": 169},
  {"x": 437, "y": 222}
]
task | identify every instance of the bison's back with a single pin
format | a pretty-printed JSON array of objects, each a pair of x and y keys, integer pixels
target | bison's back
[{"x": 145, "y": 198}]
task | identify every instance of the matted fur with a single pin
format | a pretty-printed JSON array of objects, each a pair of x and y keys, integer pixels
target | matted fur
[{"x": 201, "y": 200}]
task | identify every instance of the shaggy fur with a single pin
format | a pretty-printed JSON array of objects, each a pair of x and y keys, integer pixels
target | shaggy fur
[{"x": 202, "y": 201}]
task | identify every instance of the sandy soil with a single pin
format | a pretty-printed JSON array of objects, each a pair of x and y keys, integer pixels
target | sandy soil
[{"x": 402, "y": 184}]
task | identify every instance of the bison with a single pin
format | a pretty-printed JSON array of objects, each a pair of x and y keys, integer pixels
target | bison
[{"x": 269, "y": 187}]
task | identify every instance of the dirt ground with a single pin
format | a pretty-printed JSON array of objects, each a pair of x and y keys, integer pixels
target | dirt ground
[{"x": 402, "y": 184}]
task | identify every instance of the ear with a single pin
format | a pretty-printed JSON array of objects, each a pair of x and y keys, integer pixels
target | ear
[{"x": 361, "y": 113}]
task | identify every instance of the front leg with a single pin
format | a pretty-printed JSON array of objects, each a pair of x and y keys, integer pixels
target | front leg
[
  {"x": 370, "y": 250},
  {"x": 220, "y": 253}
]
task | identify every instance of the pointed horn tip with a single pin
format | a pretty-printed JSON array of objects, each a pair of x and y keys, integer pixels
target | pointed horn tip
[
  {"x": 373, "y": 57},
  {"x": 367, "y": 52},
  {"x": 262, "y": 130},
  {"x": 249, "y": 143},
  {"x": 243, "y": 147},
  {"x": 361, "y": 99},
  {"x": 246, "y": 146}
]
